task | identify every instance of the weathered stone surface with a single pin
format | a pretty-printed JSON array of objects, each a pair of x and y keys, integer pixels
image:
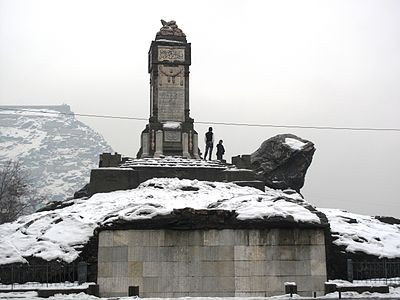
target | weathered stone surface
[
  {"x": 110, "y": 160},
  {"x": 83, "y": 192},
  {"x": 252, "y": 183},
  {"x": 242, "y": 161},
  {"x": 188, "y": 218},
  {"x": 170, "y": 130},
  {"x": 283, "y": 162},
  {"x": 167, "y": 263},
  {"x": 239, "y": 175},
  {"x": 105, "y": 180},
  {"x": 170, "y": 31}
]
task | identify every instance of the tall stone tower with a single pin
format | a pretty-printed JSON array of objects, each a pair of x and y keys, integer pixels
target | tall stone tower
[{"x": 170, "y": 129}]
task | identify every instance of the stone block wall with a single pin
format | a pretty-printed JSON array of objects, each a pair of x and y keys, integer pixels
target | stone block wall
[
  {"x": 242, "y": 161},
  {"x": 229, "y": 262},
  {"x": 110, "y": 160},
  {"x": 106, "y": 180}
]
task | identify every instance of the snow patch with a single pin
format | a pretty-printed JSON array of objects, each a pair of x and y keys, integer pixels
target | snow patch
[
  {"x": 294, "y": 144},
  {"x": 175, "y": 162},
  {"x": 172, "y": 125},
  {"x": 364, "y": 233}
]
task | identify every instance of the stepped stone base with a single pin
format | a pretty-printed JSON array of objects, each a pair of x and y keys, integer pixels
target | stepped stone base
[
  {"x": 252, "y": 183},
  {"x": 128, "y": 174}
]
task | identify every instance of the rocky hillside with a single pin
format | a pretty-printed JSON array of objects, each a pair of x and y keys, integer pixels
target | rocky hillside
[{"x": 56, "y": 148}]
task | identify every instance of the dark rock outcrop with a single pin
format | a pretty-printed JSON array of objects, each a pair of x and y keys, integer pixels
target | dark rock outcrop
[
  {"x": 282, "y": 161},
  {"x": 83, "y": 192},
  {"x": 212, "y": 218},
  {"x": 56, "y": 205},
  {"x": 388, "y": 220}
]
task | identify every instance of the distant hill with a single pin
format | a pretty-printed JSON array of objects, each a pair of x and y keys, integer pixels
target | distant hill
[{"x": 57, "y": 149}]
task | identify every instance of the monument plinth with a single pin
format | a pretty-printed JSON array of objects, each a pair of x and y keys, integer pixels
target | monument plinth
[{"x": 170, "y": 129}]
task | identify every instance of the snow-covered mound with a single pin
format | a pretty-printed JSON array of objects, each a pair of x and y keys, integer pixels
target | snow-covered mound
[
  {"x": 364, "y": 233},
  {"x": 60, "y": 233},
  {"x": 52, "y": 145}
]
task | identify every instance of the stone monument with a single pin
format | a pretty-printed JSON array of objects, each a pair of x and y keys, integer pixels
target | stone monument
[{"x": 170, "y": 130}]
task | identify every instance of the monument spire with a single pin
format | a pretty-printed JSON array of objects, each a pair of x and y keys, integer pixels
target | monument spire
[{"x": 170, "y": 129}]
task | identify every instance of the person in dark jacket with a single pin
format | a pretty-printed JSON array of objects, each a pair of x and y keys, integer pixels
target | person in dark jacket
[
  {"x": 220, "y": 150},
  {"x": 209, "y": 139}
]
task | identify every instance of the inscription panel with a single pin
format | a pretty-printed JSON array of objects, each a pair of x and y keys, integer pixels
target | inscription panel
[
  {"x": 172, "y": 136},
  {"x": 171, "y": 93},
  {"x": 171, "y": 104},
  {"x": 171, "y": 54}
]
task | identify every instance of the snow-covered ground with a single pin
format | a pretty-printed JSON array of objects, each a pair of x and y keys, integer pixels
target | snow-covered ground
[
  {"x": 60, "y": 233},
  {"x": 55, "y": 148},
  {"x": 46, "y": 286},
  {"x": 393, "y": 294},
  {"x": 364, "y": 233}
]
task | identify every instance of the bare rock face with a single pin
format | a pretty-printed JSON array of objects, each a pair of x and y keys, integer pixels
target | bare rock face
[{"x": 282, "y": 161}]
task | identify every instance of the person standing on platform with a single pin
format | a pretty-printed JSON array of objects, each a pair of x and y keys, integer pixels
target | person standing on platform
[
  {"x": 209, "y": 139},
  {"x": 220, "y": 150}
]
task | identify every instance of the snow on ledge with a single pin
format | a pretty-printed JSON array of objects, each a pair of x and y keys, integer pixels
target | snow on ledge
[
  {"x": 61, "y": 233},
  {"x": 170, "y": 41},
  {"x": 45, "y": 286},
  {"x": 294, "y": 143},
  {"x": 174, "y": 162},
  {"x": 172, "y": 125}
]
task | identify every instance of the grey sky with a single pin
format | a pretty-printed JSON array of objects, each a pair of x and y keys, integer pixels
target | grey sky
[{"x": 326, "y": 63}]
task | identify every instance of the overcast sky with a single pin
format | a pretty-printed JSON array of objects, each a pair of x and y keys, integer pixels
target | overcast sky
[{"x": 311, "y": 63}]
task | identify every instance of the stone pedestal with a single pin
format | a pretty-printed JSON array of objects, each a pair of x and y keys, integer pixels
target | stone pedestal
[
  {"x": 195, "y": 146},
  {"x": 145, "y": 144},
  {"x": 185, "y": 145},
  {"x": 159, "y": 144},
  {"x": 211, "y": 262}
]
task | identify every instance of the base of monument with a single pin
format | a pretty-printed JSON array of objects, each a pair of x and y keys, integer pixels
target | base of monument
[
  {"x": 130, "y": 172},
  {"x": 169, "y": 153},
  {"x": 157, "y": 140},
  {"x": 172, "y": 153}
]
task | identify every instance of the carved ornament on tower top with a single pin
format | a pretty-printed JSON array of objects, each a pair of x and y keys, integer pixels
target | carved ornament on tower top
[{"x": 170, "y": 31}]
